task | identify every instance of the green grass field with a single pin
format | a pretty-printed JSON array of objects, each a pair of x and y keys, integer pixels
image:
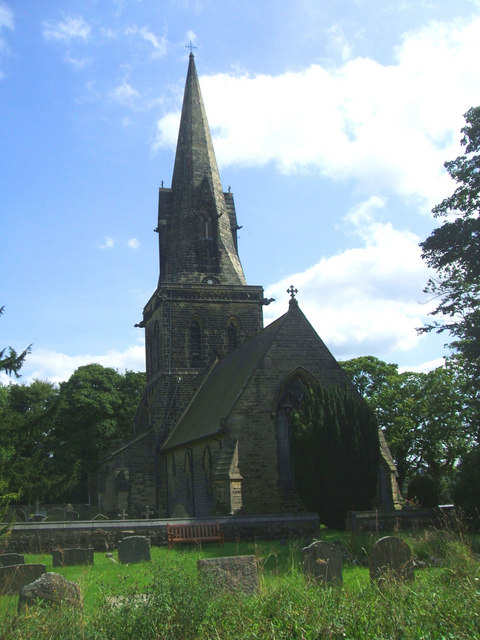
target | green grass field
[{"x": 165, "y": 599}]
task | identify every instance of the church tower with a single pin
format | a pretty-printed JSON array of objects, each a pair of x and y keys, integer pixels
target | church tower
[{"x": 202, "y": 308}]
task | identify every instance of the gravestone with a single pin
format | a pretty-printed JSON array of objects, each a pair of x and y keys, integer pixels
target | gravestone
[
  {"x": 322, "y": 562},
  {"x": 71, "y": 557},
  {"x": 133, "y": 549},
  {"x": 52, "y": 588},
  {"x": 236, "y": 573},
  {"x": 56, "y": 514},
  {"x": 391, "y": 557},
  {"x": 16, "y": 576},
  {"x": 7, "y": 559}
]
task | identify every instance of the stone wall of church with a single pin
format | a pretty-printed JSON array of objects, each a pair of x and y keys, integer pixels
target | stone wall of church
[
  {"x": 296, "y": 348},
  {"x": 175, "y": 365},
  {"x": 190, "y": 479}
]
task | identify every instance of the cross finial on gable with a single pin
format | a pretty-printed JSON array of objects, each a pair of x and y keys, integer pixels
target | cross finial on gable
[
  {"x": 190, "y": 46},
  {"x": 292, "y": 291}
]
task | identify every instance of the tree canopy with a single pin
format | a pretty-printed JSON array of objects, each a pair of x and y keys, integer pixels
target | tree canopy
[
  {"x": 52, "y": 436},
  {"x": 453, "y": 250},
  {"x": 423, "y": 416},
  {"x": 10, "y": 361}
]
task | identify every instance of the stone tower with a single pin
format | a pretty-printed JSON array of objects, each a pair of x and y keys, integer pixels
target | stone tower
[{"x": 202, "y": 308}]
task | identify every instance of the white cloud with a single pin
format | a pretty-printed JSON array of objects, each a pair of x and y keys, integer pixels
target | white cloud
[
  {"x": 390, "y": 128},
  {"x": 72, "y": 28},
  {"x": 159, "y": 44},
  {"x": 367, "y": 299},
  {"x": 6, "y": 22},
  {"x": 125, "y": 93},
  {"x": 424, "y": 367},
  {"x": 133, "y": 243},
  {"x": 6, "y": 17},
  {"x": 107, "y": 244},
  {"x": 44, "y": 364}
]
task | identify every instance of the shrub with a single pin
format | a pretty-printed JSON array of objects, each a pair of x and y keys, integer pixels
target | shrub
[{"x": 424, "y": 489}]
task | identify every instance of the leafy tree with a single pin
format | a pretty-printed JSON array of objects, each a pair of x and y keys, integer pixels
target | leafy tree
[
  {"x": 335, "y": 451},
  {"x": 422, "y": 414},
  {"x": 10, "y": 361},
  {"x": 466, "y": 493},
  {"x": 51, "y": 437},
  {"x": 26, "y": 430},
  {"x": 453, "y": 250},
  {"x": 95, "y": 410}
]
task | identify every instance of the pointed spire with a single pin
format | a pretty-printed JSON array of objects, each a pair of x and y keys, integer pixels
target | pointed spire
[
  {"x": 195, "y": 157},
  {"x": 203, "y": 240}
]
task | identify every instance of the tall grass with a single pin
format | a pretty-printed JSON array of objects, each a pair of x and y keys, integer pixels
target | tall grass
[{"x": 165, "y": 599}]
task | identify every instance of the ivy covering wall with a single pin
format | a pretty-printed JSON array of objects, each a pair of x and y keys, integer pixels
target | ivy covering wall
[{"x": 335, "y": 449}]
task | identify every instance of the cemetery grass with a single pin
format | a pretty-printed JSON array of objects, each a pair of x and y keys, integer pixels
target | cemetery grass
[{"x": 164, "y": 599}]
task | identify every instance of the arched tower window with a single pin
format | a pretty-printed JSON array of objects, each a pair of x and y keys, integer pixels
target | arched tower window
[
  {"x": 149, "y": 355},
  {"x": 195, "y": 343},
  {"x": 156, "y": 345},
  {"x": 233, "y": 335}
]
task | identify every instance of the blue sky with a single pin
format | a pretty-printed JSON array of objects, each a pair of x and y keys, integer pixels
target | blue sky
[{"x": 331, "y": 123}]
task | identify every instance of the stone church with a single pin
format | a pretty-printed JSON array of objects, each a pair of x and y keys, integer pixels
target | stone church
[{"x": 212, "y": 430}]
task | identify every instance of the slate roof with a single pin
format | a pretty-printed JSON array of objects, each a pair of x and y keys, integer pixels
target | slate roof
[{"x": 221, "y": 388}]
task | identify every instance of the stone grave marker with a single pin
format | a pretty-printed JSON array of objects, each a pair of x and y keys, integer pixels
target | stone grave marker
[
  {"x": 236, "y": 573},
  {"x": 16, "y": 576},
  {"x": 56, "y": 514},
  {"x": 133, "y": 549},
  {"x": 52, "y": 588},
  {"x": 71, "y": 557},
  {"x": 7, "y": 559},
  {"x": 391, "y": 557},
  {"x": 322, "y": 562}
]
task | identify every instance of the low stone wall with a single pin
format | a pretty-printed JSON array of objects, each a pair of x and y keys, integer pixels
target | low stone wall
[
  {"x": 43, "y": 537},
  {"x": 399, "y": 519}
]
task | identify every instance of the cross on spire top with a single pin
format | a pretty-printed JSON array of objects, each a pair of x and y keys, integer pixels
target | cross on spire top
[
  {"x": 190, "y": 46},
  {"x": 292, "y": 291}
]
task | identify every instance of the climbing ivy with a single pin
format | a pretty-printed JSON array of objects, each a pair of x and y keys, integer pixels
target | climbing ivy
[{"x": 335, "y": 449}]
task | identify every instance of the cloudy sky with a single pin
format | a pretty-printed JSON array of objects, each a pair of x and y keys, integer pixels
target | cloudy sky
[{"x": 331, "y": 121}]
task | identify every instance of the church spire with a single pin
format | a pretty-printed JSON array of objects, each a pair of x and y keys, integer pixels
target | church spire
[{"x": 197, "y": 220}]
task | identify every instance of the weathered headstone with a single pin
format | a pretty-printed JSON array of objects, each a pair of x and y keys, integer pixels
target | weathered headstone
[
  {"x": 322, "y": 562},
  {"x": 133, "y": 549},
  {"x": 52, "y": 588},
  {"x": 236, "y": 573},
  {"x": 391, "y": 557},
  {"x": 70, "y": 514},
  {"x": 7, "y": 559},
  {"x": 70, "y": 557},
  {"x": 16, "y": 576},
  {"x": 56, "y": 514}
]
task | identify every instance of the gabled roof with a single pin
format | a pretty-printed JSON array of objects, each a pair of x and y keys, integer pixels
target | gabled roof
[{"x": 221, "y": 388}]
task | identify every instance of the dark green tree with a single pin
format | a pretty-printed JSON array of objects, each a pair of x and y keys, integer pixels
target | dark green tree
[
  {"x": 25, "y": 427},
  {"x": 95, "y": 410},
  {"x": 422, "y": 414},
  {"x": 10, "y": 361},
  {"x": 334, "y": 439},
  {"x": 466, "y": 492},
  {"x": 453, "y": 250}
]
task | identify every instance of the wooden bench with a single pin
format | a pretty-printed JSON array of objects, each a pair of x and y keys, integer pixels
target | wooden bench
[{"x": 199, "y": 532}]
